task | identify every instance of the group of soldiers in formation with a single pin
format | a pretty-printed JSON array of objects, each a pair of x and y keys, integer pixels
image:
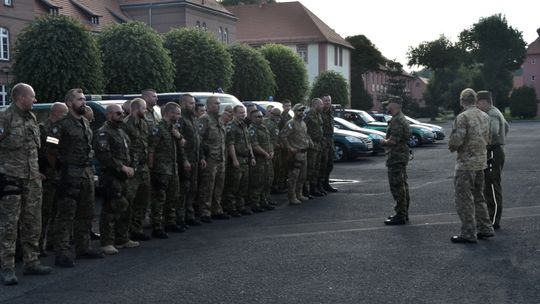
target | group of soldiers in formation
[{"x": 182, "y": 168}]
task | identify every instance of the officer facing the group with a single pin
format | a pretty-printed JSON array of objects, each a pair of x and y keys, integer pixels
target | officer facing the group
[
  {"x": 495, "y": 155},
  {"x": 111, "y": 144},
  {"x": 20, "y": 185},
  {"x": 138, "y": 194},
  {"x": 70, "y": 142},
  {"x": 470, "y": 136},
  {"x": 296, "y": 141},
  {"x": 397, "y": 152}
]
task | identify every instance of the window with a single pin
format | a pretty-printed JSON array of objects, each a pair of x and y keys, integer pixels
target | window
[
  {"x": 302, "y": 51},
  {"x": 533, "y": 60},
  {"x": 198, "y": 24},
  {"x": 53, "y": 11},
  {"x": 533, "y": 78},
  {"x": 204, "y": 26},
  {"x": 226, "y": 38},
  {"x": 340, "y": 56},
  {"x": 8, "y": 3},
  {"x": 94, "y": 20},
  {"x": 220, "y": 34},
  {"x": 4, "y": 43},
  {"x": 335, "y": 55},
  {"x": 3, "y": 94}
]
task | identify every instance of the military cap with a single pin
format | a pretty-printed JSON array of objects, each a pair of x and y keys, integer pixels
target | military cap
[
  {"x": 298, "y": 107},
  {"x": 483, "y": 95},
  {"x": 396, "y": 100},
  {"x": 468, "y": 95}
]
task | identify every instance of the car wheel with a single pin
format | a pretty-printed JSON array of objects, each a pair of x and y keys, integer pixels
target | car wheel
[
  {"x": 340, "y": 153},
  {"x": 414, "y": 141}
]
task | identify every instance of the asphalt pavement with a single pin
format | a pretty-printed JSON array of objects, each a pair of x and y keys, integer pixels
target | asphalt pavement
[{"x": 334, "y": 249}]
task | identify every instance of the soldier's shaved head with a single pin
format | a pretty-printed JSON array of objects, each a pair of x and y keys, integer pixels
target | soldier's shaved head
[{"x": 58, "y": 110}]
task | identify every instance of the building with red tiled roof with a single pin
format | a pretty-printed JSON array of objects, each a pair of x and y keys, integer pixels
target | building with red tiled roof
[
  {"x": 293, "y": 25},
  {"x": 531, "y": 68}
]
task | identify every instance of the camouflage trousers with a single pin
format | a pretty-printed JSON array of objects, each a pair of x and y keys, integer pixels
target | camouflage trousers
[
  {"x": 211, "y": 184},
  {"x": 314, "y": 166},
  {"x": 327, "y": 159},
  {"x": 493, "y": 188},
  {"x": 75, "y": 212},
  {"x": 470, "y": 203},
  {"x": 260, "y": 180},
  {"x": 165, "y": 202},
  {"x": 138, "y": 196},
  {"x": 235, "y": 194},
  {"x": 280, "y": 169},
  {"x": 114, "y": 218},
  {"x": 397, "y": 178},
  {"x": 297, "y": 174},
  {"x": 48, "y": 211},
  {"x": 20, "y": 212},
  {"x": 188, "y": 191}
]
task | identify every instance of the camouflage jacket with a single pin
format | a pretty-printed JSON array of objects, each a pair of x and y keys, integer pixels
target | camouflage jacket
[
  {"x": 163, "y": 146},
  {"x": 314, "y": 124},
  {"x": 397, "y": 133},
  {"x": 260, "y": 136},
  {"x": 190, "y": 130},
  {"x": 294, "y": 135},
  {"x": 238, "y": 136},
  {"x": 273, "y": 131},
  {"x": 328, "y": 123},
  {"x": 212, "y": 137},
  {"x": 111, "y": 144},
  {"x": 470, "y": 136},
  {"x": 19, "y": 143},
  {"x": 138, "y": 131}
]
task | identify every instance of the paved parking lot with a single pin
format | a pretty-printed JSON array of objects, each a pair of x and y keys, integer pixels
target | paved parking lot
[{"x": 333, "y": 250}]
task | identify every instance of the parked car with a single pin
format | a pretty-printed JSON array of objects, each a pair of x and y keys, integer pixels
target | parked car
[
  {"x": 264, "y": 104},
  {"x": 439, "y": 133},
  {"x": 375, "y": 136},
  {"x": 380, "y": 116},
  {"x": 419, "y": 135},
  {"x": 200, "y": 97},
  {"x": 350, "y": 145}
]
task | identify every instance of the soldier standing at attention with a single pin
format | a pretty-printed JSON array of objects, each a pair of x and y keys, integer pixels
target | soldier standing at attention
[
  {"x": 262, "y": 174},
  {"x": 495, "y": 155},
  {"x": 470, "y": 137},
  {"x": 138, "y": 193},
  {"x": 281, "y": 167},
  {"x": 314, "y": 126},
  {"x": 272, "y": 124},
  {"x": 20, "y": 185},
  {"x": 48, "y": 208},
  {"x": 213, "y": 152},
  {"x": 397, "y": 153},
  {"x": 328, "y": 149},
  {"x": 238, "y": 166},
  {"x": 151, "y": 98},
  {"x": 189, "y": 174},
  {"x": 111, "y": 144},
  {"x": 162, "y": 161},
  {"x": 296, "y": 141},
  {"x": 71, "y": 143}
]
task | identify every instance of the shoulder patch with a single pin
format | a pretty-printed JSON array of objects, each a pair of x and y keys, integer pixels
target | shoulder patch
[
  {"x": 228, "y": 128},
  {"x": 251, "y": 132},
  {"x": 155, "y": 131},
  {"x": 290, "y": 125}
]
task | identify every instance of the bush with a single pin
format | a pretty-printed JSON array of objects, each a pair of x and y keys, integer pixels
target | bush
[
  {"x": 290, "y": 72},
  {"x": 253, "y": 78},
  {"x": 524, "y": 102},
  {"x": 202, "y": 63},
  {"x": 134, "y": 59},
  {"x": 331, "y": 83},
  {"x": 55, "y": 54}
]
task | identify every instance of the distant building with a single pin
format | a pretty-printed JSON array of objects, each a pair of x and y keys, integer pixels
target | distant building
[
  {"x": 376, "y": 82},
  {"x": 531, "y": 68},
  {"x": 418, "y": 87},
  {"x": 295, "y": 26}
]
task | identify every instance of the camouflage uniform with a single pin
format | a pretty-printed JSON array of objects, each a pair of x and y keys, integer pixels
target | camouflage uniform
[
  {"x": 294, "y": 135},
  {"x": 111, "y": 145},
  {"x": 280, "y": 164},
  {"x": 327, "y": 147},
  {"x": 397, "y": 152},
  {"x": 48, "y": 208},
  {"x": 189, "y": 179},
  {"x": 75, "y": 208},
  {"x": 470, "y": 136},
  {"x": 273, "y": 131},
  {"x": 314, "y": 124},
  {"x": 20, "y": 204},
  {"x": 238, "y": 179},
  {"x": 164, "y": 175},
  {"x": 212, "y": 177},
  {"x": 493, "y": 189},
  {"x": 138, "y": 188},
  {"x": 262, "y": 174}
]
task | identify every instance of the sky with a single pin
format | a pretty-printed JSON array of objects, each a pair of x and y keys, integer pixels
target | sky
[{"x": 394, "y": 25}]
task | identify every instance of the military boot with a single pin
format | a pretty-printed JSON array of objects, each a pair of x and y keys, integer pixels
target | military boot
[
  {"x": 36, "y": 269},
  {"x": 9, "y": 277},
  {"x": 314, "y": 191},
  {"x": 292, "y": 198}
]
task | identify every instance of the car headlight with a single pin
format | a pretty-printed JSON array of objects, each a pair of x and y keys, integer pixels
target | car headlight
[
  {"x": 353, "y": 139},
  {"x": 427, "y": 132},
  {"x": 376, "y": 136}
]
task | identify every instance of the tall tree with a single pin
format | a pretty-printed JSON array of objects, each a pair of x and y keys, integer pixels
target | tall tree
[
  {"x": 253, "y": 78},
  {"x": 134, "y": 59},
  {"x": 365, "y": 57},
  {"x": 202, "y": 63},
  {"x": 500, "y": 49},
  {"x": 333, "y": 83},
  {"x": 524, "y": 102},
  {"x": 290, "y": 71},
  {"x": 55, "y": 54},
  {"x": 396, "y": 84}
]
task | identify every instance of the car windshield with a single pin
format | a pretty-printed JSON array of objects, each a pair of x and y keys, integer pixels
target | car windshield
[
  {"x": 366, "y": 117},
  {"x": 347, "y": 124}
]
